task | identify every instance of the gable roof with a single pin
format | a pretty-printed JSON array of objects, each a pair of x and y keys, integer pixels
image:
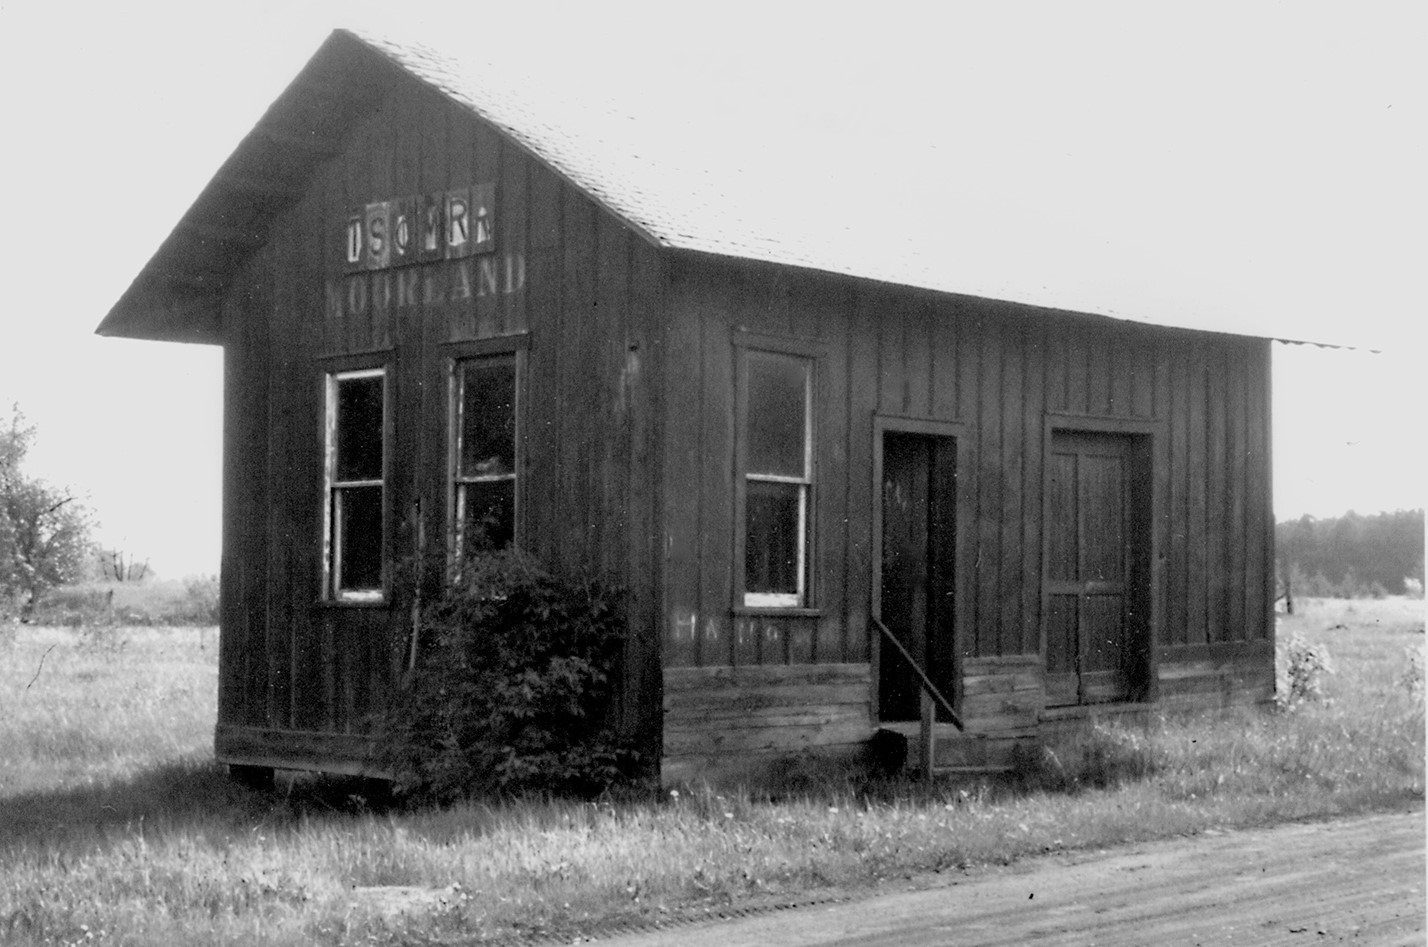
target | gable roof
[{"x": 693, "y": 169}]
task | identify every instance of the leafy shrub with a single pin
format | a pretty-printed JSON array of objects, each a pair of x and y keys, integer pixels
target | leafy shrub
[
  {"x": 1302, "y": 671},
  {"x": 511, "y": 694}
]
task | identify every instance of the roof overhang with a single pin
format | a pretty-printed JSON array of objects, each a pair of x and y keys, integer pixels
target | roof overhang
[{"x": 178, "y": 296}]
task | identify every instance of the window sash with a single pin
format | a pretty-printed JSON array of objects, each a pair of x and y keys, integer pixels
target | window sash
[
  {"x": 343, "y": 526},
  {"x": 771, "y": 598},
  {"x": 775, "y": 553},
  {"x": 468, "y": 494},
  {"x": 467, "y": 485}
]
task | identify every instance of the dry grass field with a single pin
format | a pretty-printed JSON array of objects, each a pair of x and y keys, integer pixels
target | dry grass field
[{"x": 116, "y": 827}]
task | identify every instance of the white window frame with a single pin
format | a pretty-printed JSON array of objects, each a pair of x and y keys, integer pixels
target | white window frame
[
  {"x": 456, "y": 483},
  {"x": 800, "y": 598},
  {"x": 333, "y": 490}
]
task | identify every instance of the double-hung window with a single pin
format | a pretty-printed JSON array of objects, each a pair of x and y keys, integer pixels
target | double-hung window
[
  {"x": 356, "y": 484},
  {"x": 777, "y": 457},
  {"x": 483, "y": 456}
]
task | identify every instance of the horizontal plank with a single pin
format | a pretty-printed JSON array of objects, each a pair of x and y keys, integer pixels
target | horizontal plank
[
  {"x": 764, "y": 739},
  {"x": 1217, "y": 675},
  {"x": 753, "y": 769},
  {"x": 1237, "y": 697},
  {"x": 677, "y": 680},
  {"x": 997, "y": 752},
  {"x": 1233, "y": 651},
  {"x": 765, "y": 716},
  {"x": 974, "y": 667},
  {"x": 1003, "y": 683},
  {"x": 1077, "y": 714},
  {"x": 352, "y": 754},
  {"x": 999, "y": 724},
  {"x": 1208, "y": 688},
  {"x": 1172, "y": 672},
  {"x": 753, "y": 698},
  {"x": 1000, "y": 706},
  {"x": 983, "y": 704},
  {"x": 1192, "y": 668}
]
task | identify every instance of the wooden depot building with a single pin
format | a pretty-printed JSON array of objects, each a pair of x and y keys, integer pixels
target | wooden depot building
[{"x": 439, "y": 307}]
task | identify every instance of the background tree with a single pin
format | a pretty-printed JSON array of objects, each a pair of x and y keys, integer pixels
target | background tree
[
  {"x": 1352, "y": 555},
  {"x": 44, "y": 530}
]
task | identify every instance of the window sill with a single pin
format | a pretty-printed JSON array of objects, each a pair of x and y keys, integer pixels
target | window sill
[{"x": 777, "y": 611}]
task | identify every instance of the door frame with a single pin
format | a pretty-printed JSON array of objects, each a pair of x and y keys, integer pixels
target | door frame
[
  {"x": 1152, "y": 437},
  {"x": 960, "y": 434}
]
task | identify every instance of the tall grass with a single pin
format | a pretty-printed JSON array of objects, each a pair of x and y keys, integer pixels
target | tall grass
[
  {"x": 153, "y": 846},
  {"x": 82, "y": 707}
]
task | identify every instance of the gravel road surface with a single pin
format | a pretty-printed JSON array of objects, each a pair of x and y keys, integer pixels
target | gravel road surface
[{"x": 1358, "y": 881}]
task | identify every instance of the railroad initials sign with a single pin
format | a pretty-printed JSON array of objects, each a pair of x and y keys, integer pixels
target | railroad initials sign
[{"x": 448, "y": 225}]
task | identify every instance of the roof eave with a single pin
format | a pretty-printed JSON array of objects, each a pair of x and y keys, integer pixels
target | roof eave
[
  {"x": 165, "y": 318},
  {"x": 681, "y": 252},
  {"x": 178, "y": 295}
]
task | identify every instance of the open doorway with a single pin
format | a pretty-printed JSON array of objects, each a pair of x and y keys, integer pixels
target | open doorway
[{"x": 917, "y": 567}]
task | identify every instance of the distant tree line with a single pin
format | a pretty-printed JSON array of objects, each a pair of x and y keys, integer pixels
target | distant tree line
[{"x": 1352, "y": 556}]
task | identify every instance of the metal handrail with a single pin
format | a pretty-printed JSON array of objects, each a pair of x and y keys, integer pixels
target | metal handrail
[{"x": 927, "y": 685}]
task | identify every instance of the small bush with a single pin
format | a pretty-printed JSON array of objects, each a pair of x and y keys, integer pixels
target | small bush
[
  {"x": 511, "y": 694},
  {"x": 1302, "y": 671}
]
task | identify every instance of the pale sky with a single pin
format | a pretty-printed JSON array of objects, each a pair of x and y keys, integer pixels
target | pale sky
[{"x": 1282, "y": 143}]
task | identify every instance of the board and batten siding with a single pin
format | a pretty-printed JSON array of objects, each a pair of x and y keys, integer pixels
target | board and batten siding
[
  {"x": 585, "y": 315},
  {"x": 1009, "y": 375}
]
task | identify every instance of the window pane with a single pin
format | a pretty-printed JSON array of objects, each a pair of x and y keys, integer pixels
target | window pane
[
  {"x": 777, "y": 412},
  {"x": 359, "y": 428},
  {"x": 771, "y": 537},
  {"x": 489, "y": 515},
  {"x": 359, "y": 537},
  {"x": 488, "y": 419}
]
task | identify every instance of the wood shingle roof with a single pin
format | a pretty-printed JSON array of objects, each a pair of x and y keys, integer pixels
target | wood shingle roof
[{"x": 710, "y": 171}]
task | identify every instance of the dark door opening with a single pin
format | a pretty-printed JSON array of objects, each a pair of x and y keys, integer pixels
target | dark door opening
[
  {"x": 1097, "y": 568},
  {"x": 918, "y": 520}
]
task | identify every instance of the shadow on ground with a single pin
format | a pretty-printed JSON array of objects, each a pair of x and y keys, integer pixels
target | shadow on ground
[{"x": 176, "y": 796}]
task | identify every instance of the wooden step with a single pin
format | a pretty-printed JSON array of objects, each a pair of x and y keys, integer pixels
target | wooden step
[{"x": 955, "y": 752}]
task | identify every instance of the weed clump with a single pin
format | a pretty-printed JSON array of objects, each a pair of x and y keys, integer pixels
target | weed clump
[
  {"x": 1104, "y": 756},
  {"x": 1302, "y": 669},
  {"x": 1411, "y": 677},
  {"x": 512, "y": 692}
]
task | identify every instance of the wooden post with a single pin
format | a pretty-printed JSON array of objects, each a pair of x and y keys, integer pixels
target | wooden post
[{"x": 928, "y": 735}]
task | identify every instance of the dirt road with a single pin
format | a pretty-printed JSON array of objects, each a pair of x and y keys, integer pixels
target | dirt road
[{"x": 1357, "y": 881}]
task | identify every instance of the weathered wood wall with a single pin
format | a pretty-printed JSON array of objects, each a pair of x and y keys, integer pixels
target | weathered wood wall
[
  {"x": 727, "y": 723},
  {"x": 587, "y": 316},
  {"x": 1002, "y": 370},
  {"x": 628, "y": 417}
]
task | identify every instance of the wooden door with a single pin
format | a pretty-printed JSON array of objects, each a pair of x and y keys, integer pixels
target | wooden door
[
  {"x": 918, "y": 490},
  {"x": 1095, "y": 581}
]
